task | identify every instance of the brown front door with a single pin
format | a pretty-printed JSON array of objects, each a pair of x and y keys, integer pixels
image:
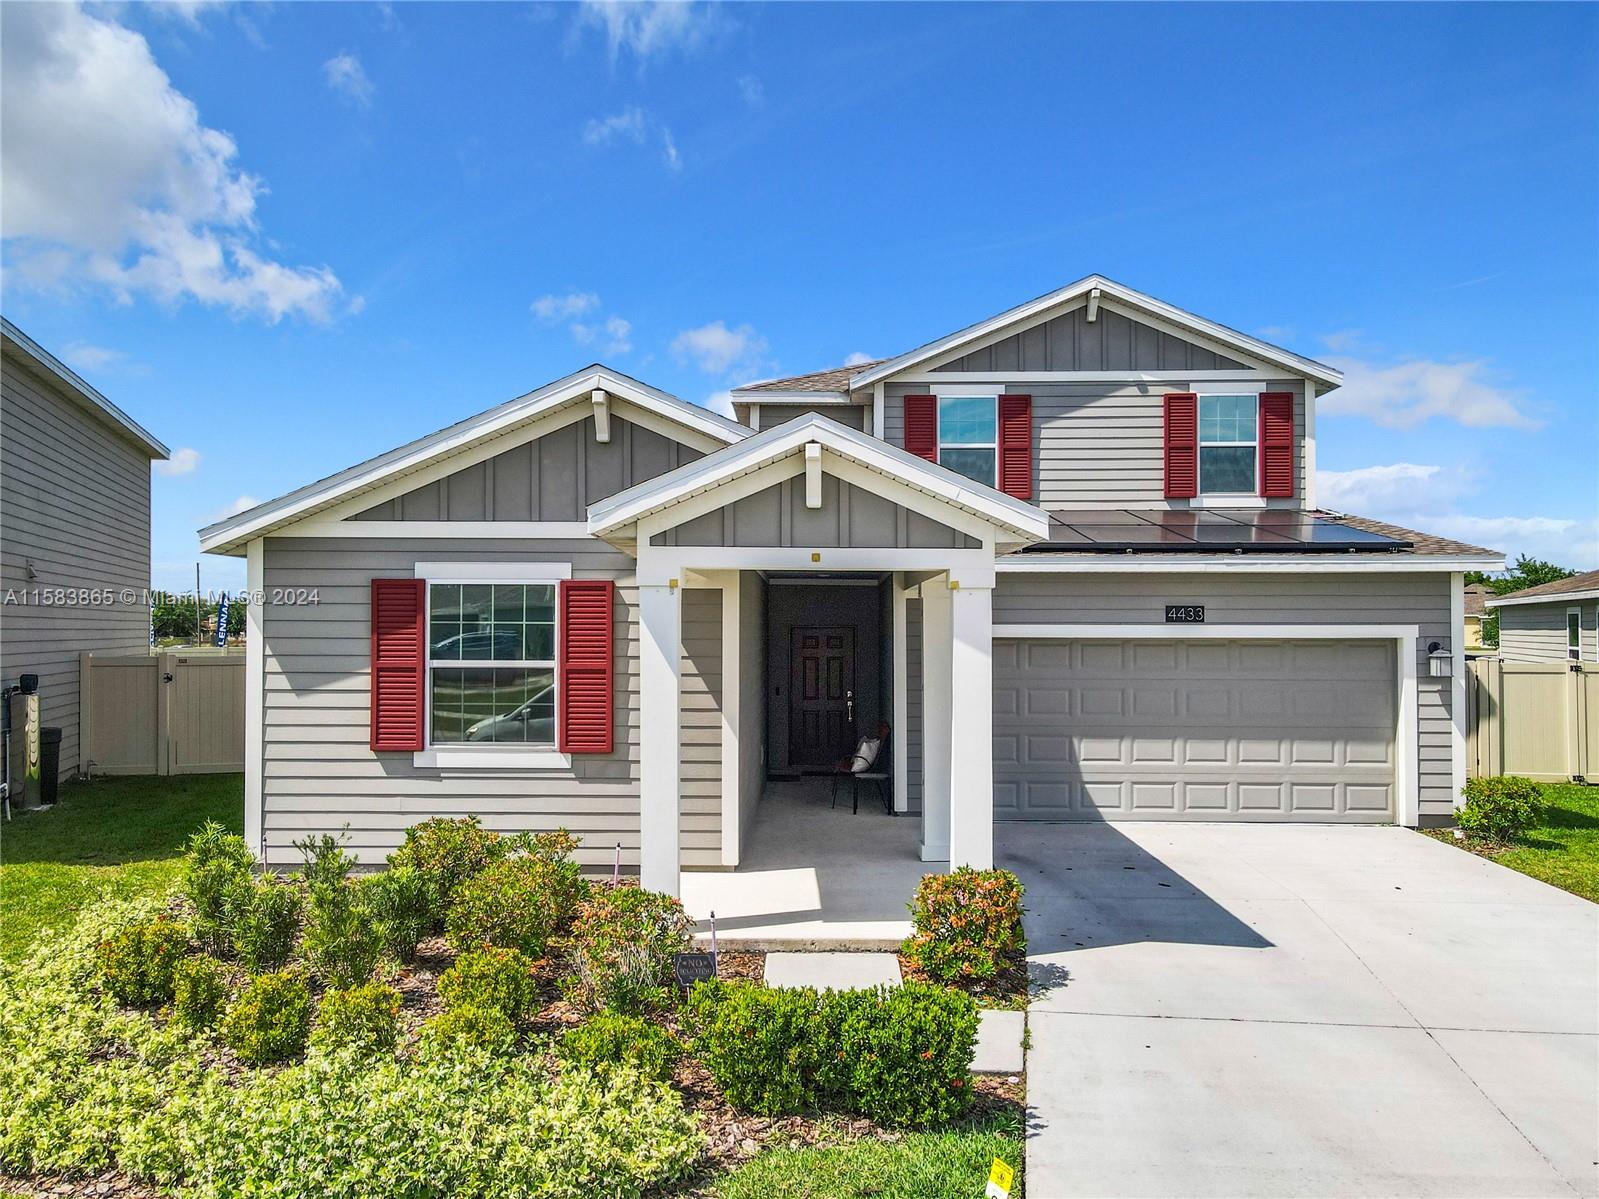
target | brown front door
[{"x": 821, "y": 726}]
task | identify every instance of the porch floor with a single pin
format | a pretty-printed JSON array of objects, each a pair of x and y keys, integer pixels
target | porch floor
[{"x": 814, "y": 876}]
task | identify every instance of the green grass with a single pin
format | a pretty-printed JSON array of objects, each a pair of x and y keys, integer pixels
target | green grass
[
  {"x": 952, "y": 1164},
  {"x": 1563, "y": 848},
  {"x": 111, "y": 838}
]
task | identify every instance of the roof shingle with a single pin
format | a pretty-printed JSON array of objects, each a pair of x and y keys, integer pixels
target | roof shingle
[
  {"x": 833, "y": 380},
  {"x": 1587, "y": 581}
]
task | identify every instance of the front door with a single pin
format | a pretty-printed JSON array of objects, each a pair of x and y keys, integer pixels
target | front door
[{"x": 822, "y": 695}]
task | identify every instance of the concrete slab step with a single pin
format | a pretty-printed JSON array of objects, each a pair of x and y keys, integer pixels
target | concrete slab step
[
  {"x": 1000, "y": 1037},
  {"x": 832, "y": 971}
]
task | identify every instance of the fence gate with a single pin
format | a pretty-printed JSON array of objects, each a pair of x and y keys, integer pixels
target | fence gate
[
  {"x": 162, "y": 713},
  {"x": 1536, "y": 719}
]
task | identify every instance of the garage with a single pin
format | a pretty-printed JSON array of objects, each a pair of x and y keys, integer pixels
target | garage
[{"x": 1202, "y": 729}]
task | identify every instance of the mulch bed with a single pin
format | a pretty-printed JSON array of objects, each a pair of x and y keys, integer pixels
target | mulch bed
[{"x": 1007, "y": 989}]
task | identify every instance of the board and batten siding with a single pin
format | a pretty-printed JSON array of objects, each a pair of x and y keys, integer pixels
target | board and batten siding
[
  {"x": 1070, "y": 342},
  {"x": 1103, "y": 444},
  {"x": 769, "y": 416},
  {"x": 700, "y": 703},
  {"x": 75, "y": 508},
  {"x": 319, "y": 774},
  {"x": 1537, "y": 632},
  {"x": 1261, "y": 601}
]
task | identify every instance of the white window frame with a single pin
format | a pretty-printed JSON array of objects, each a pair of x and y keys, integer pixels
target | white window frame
[
  {"x": 1253, "y": 495},
  {"x": 940, "y": 394},
  {"x": 1573, "y": 652},
  {"x": 475, "y": 756}
]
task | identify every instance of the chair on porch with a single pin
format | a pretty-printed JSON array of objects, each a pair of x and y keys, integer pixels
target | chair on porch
[{"x": 869, "y": 770}]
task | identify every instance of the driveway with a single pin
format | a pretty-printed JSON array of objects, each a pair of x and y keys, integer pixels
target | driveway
[{"x": 1303, "y": 1010}]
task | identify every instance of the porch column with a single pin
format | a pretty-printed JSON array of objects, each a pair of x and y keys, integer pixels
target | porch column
[
  {"x": 971, "y": 744},
  {"x": 660, "y": 639},
  {"x": 936, "y": 725}
]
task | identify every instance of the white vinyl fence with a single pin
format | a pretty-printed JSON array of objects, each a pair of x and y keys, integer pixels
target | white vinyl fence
[{"x": 1536, "y": 719}]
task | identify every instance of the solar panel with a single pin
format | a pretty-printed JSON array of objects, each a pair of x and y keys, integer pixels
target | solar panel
[{"x": 1210, "y": 530}]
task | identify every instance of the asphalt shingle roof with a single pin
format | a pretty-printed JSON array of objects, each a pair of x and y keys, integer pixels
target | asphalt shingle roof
[
  {"x": 1588, "y": 580},
  {"x": 1421, "y": 543},
  {"x": 833, "y": 379}
]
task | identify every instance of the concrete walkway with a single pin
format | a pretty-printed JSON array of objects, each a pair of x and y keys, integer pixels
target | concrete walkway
[{"x": 1294, "y": 1011}]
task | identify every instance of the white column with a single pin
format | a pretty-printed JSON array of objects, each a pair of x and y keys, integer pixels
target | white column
[
  {"x": 936, "y": 642},
  {"x": 971, "y": 747},
  {"x": 901, "y": 698},
  {"x": 254, "y": 698},
  {"x": 660, "y": 642},
  {"x": 732, "y": 716}
]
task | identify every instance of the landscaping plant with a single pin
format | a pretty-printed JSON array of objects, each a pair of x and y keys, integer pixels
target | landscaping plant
[
  {"x": 362, "y": 1020},
  {"x": 622, "y": 942},
  {"x": 517, "y": 903},
  {"x": 138, "y": 963},
  {"x": 215, "y": 870},
  {"x": 326, "y": 863},
  {"x": 910, "y": 1053},
  {"x": 342, "y": 941},
  {"x": 611, "y": 1039},
  {"x": 199, "y": 990},
  {"x": 497, "y": 980},
  {"x": 271, "y": 1020},
  {"x": 396, "y": 901},
  {"x": 469, "y": 1028},
  {"x": 1500, "y": 808},
  {"x": 264, "y": 916},
  {"x": 446, "y": 852},
  {"x": 965, "y": 924}
]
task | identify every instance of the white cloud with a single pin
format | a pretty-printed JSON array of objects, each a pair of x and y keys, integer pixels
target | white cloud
[
  {"x": 1374, "y": 488},
  {"x": 556, "y": 308},
  {"x": 719, "y": 350},
  {"x": 182, "y": 462},
  {"x": 752, "y": 90},
  {"x": 633, "y": 125},
  {"x": 610, "y": 334},
  {"x": 669, "y": 148},
  {"x": 647, "y": 28},
  {"x": 1342, "y": 341},
  {"x": 1408, "y": 393},
  {"x": 87, "y": 357},
  {"x": 345, "y": 75},
  {"x": 108, "y": 178},
  {"x": 721, "y": 402},
  {"x": 243, "y": 504},
  {"x": 858, "y": 358},
  {"x": 188, "y": 11}
]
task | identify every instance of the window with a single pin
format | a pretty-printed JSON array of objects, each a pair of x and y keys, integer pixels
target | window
[
  {"x": 491, "y": 663},
  {"x": 1228, "y": 451},
  {"x": 968, "y": 436},
  {"x": 1574, "y": 634}
]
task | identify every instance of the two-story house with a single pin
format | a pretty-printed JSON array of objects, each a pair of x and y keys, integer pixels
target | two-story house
[{"x": 1071, "y": 556}]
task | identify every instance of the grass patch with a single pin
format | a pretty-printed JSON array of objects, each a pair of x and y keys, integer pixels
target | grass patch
[
  {"x": 1562, "y": 849},
  {"x": 111, "y": 838},
  {"x": 952, "y": 1164}
]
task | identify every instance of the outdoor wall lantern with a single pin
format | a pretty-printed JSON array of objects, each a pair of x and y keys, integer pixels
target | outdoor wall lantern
[{"x": 1440, "y": 662}]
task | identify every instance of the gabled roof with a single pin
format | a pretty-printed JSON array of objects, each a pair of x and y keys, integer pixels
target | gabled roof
[
  {"x": 90, "y": 398},
  {"x": 833, "y": 381},
  {"x": 227, "y": 536},
  {"x": 1578, "y": 587},
  {"x": 1476, "y": 595},
  {"x": 1023, "y": 314},
  {"x": 1020, "y": 519}
]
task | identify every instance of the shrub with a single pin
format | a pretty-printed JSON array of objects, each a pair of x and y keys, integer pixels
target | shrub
[
  {"x": 910, "y": 1053},
  {"x": 499, "y": 980},
  {"x": 271, "y": 1020},
  {"x": 264, "y": 916},
  {"x": 326, "y": 863},
  {"x": 1501, "y": 807},
  {"x": 342, "y": 941},
  {"x": 965, "y": 923},
  {"x": 363, "y": 1019},
  {"x": 446, "y": 852},
  {"x": 139, "y": 962},
  {"x": 763, "y": 1045},
  {"x": 469, "y": 1027},
  {"x": 611, "y": 1039},
  {"x": 517, "y": 903},
  {"x": 199, "y": 989},
  {"x": 215, "y": 869},
  {"x": 396, "y": 901},
  {"x": 623, "y": 940}
]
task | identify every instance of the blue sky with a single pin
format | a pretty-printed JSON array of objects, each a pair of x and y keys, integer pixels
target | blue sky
[{"x": 288, "y": 237}]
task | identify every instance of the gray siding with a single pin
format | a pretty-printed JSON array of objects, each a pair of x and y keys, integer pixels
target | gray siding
[
  {"x": 752, "y": 701},
  {"x": 75, "y": 506},
  {"x": 1103, "y": 443},
  {"x": 554, "y": 477},
  {"x": 1112, "y": 342},
  {"x": 700, "y": 701},
  {"x": 1537, "y": 632},
  {"x": 851, "y": 416},
  {"x": 849, "y": 517},
  {"x": 912, "y": 739},
  {"x": 1419, "y": 599}
]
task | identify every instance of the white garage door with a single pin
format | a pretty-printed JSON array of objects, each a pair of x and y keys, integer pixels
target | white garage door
[{"x": 1194, "y": 730}]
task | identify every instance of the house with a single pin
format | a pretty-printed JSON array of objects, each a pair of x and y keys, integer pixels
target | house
[
  {"x": 1070, "y": 555},
  {"x": 74, "y": 528},
  {"x": 1552, "y": 622},
  {"x": 1477, "y": 594}
]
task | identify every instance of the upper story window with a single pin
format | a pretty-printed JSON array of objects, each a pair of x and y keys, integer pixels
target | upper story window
[
  {"x": 1228, "y": 445},
  {"x": 491, "y": 663},
  {"x": 1574, "y": 634},
  {"x": 968, "y": 436}
]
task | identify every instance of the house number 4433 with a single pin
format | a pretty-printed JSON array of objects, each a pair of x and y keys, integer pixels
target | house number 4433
[{"x": 1185, "y": 613}]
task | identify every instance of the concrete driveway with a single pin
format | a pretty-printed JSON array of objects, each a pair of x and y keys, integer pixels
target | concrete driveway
[{"x": 1286, "y": 1011}]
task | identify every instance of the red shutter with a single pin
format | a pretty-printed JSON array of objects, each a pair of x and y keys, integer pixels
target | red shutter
[
  {"x": 1182, "y": 445},
  {"x": 585, "y": 664},
  {"x": 921, "y": 426},
  {"x": 1276, "y": 444},
  {"x": 398, "y": 659},
  {"x": 1016, "y": 446}
]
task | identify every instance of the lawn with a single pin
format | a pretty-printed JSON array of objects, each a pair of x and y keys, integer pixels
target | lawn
[
  {"x": 110, "y": 838},
  {"x": 1563, "y": 848}
]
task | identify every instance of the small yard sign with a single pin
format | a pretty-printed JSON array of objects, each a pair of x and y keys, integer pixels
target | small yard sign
[
  {"x": 691, "y": 968},
  {"x": 1185, "y": 613},
  {"x": 1000, "y": 1176}
]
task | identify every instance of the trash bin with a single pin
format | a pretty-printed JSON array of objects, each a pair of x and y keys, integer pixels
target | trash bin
[{"x": 49, "y": 763}]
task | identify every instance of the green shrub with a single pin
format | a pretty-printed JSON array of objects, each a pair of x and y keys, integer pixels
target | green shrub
[
  {"x": 446, "y": 852},
  {"x": 764, "y": 1045},
  {"x": 623, "y": 939},
  {"x": 215, "y": 869},
  {"x": 910, "y": 1054},
  {"x": 610, "y": 1039},
  {"x": 199, "y": 989},
  {"x": 499, "y": 980},
  {"x": 362, "y": 1019},
  {"x": 965, "y": 924},
  {"x": 1501, "y": 807},
  {"x": 138, "y": 963},
  {"x": 397, "y": 902},
  {"x": 517, "y": 903},
  {"x": 326, "y": 863},
  {"x": 271, "y": 1020},
  {"x": 342, "y": 941},
  {"x": 469, "y": 1027},
  {"x": 264, "y": 916}
]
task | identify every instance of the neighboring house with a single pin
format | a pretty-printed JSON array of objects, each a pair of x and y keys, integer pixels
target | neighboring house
[
  {"x": 1552, "y": 622},
  {"x": 1477, "y": 594},
  {"x": 1071, "y": 555},
  {"x": 74, "y": 528}
]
